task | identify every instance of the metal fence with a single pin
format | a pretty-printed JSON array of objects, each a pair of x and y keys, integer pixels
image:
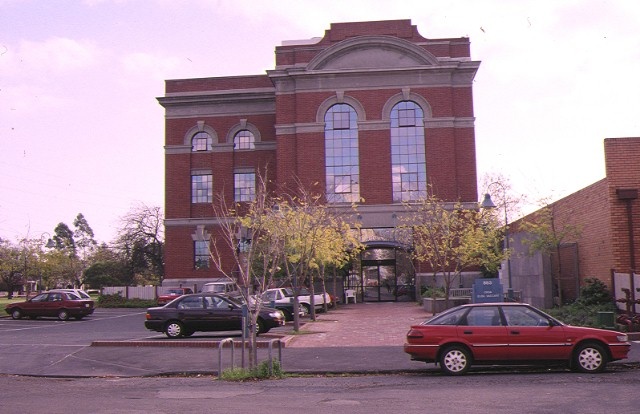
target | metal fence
[{"x": 133, "y": 292}]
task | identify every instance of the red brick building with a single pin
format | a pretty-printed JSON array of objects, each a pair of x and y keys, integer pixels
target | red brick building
[
  {"x": 372, "y": 111},
  {"x": 607, "y": 217}
]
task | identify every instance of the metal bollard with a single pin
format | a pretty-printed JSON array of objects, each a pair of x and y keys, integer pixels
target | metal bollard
[
  {"x": 271, "y": 354},
  {"x": 220, "y": 346}
]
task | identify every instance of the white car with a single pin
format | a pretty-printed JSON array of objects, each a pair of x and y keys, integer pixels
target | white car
[
  {"x": 79, "y": 292},
  {"x": 285, "y": 295}
]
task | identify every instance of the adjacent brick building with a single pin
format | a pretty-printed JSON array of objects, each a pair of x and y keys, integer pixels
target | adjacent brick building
[
  {"x": 372, "y": 112},
  {"x": 607, "y": 217}
]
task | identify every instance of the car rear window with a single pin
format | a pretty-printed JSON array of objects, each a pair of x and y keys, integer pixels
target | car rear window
[{"x": 451, "y": 317}]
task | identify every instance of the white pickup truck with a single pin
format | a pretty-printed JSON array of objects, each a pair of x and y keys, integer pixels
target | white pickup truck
[{"x": 285, "y": 295}]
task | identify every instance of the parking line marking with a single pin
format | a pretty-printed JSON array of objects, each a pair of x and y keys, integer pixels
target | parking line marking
[{"x": 47, "y": 345}]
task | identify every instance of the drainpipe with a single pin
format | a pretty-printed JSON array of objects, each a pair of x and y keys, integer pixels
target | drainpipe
[{"x": 628, "y": 195}]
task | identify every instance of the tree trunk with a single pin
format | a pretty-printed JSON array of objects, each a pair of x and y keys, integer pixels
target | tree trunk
[
  {"x": 324, "y": 290},
  {"x": 335, "y": 286},
  {"x": 312, "y": 297},
  {"x": 560, "y": 300}
]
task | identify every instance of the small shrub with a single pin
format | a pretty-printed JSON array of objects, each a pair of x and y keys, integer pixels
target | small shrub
[
  {"x": 594, "y": 297},
  {"x": 594, "y": 292},
  {"x": 106, "y": 300},
  {"x": 581, "y": 315},
  {"x": 236, "y": 374},
  {"x": 431, "y": 292},
  {"x": 261, "y": 372}
]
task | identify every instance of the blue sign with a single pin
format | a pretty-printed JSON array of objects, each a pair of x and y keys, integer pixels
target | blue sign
[{"x": 487, "y": 291}]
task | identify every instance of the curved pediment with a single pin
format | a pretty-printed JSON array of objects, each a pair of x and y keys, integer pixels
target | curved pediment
[{"x": 372, "y": 52}]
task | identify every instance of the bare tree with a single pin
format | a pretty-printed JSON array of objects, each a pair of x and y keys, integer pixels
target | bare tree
[
  {"x": 245, "y": 237},
  {"x": 141, "y": 240}
]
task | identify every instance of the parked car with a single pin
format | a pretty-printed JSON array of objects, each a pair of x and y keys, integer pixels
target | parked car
[
  {"x": 79, "y": 292},
  {"x": 172, "y": 293},
  {"x": 286, "y": 306},
  {"x": 205, "y": 312},
  {"x": 226, "y": 287},
  {"x": 60, "y": 304},
  {"x": 510, "y": 333},
  {"x": 285, "y": 295}
]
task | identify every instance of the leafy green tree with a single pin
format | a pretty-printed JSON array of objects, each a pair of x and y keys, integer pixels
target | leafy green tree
[
  {"x": 483, "y": 242},
  {"x": 271, "y": 236},
  {"x": 62, "y": 270},
  {"x": 63, "y": 237},
  {"x": 452, "y": 237},
  {"x": 78, "y": 245},
  {"x": 101, "y": 274},
  {"x": 83, "y": 236},
  {"x": 312, "y": 236},
  {"x": 11, "y": 267},
  {"x": 328, "y": 239}
]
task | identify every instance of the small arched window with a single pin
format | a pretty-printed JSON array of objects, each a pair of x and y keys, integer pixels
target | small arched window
[
  {"x": 408, "y": 164},
  {"x": 201, "y": 141},
  {"x": 244, "y": 140}
]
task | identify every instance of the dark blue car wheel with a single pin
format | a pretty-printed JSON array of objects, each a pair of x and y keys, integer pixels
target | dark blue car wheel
[{"x": 16, "y": 313}]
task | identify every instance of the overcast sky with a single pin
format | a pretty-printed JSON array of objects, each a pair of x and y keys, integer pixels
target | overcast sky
[{"x": 81, "y": 130}]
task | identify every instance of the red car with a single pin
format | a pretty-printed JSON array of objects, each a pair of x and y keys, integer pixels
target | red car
[
  {"x": 511, "y": 334},
  {"x": 172, "y": 293},
  {"x": 59, "y": 304}
]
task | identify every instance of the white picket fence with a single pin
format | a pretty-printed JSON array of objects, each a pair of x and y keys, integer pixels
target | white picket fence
[{"x": 133, "y": 292}]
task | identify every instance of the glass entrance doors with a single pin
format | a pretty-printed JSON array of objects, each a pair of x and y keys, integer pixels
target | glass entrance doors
[{"x": 379, "y": 281}]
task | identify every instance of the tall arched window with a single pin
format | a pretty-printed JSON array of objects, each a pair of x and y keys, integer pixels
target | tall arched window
[
  {"x": 408, "y": 164},
  {"x": 201, "y": 141},
  {"x": 244, "y": 140},
  {"x": 341, "y": 154}
]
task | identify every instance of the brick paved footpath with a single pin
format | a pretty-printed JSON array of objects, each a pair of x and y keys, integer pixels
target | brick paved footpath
[{"x": 360, "y": 324}]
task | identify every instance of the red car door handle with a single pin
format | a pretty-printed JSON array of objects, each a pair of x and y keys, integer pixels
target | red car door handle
[
  {"x": 468, "y": 332},
  {"x": 515, "y": 332}
]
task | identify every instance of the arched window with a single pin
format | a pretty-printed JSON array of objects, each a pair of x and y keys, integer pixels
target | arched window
[
  {"x": 408, "y": 164},
  {"x": 244, "y": 140},
  {"x": 201, "y": 141},
  {"x": 341, "y": 154}
]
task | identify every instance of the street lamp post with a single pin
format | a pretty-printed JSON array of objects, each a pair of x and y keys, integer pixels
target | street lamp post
[{"x": 489, "y": 204}]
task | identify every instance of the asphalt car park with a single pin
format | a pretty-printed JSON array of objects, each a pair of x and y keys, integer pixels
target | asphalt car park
[
  {"x": 103, "y": 325},
  {"x": 113, "y": 324},
  {"x": 356, "y": 338}
]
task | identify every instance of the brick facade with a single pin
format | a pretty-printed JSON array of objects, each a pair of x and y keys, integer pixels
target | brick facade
[
  {"x": 368, "y": 65},
  {"x": 623, "y": 173}
]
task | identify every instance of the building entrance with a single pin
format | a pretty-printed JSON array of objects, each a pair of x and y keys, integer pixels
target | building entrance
[
  {"x": 384, "y": 274},
  {"x": 379, "y": 281}
]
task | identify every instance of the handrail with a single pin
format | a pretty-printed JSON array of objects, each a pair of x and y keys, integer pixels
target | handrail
[{"x": 460, "y": 292}]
